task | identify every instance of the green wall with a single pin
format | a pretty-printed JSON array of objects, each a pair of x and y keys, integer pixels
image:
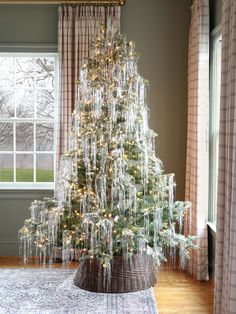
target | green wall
[
  {"x": 28, "y": 24},
  {"x": 160, "y": 30},
  {"x": 14, "y": 209}
]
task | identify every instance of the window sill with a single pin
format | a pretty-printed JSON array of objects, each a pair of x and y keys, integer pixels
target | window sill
[
  {"x": 27, "y": 186},
  {"x": 212, "y": 226}
]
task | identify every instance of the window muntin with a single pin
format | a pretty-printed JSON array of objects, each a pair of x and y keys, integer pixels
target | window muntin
[{"x": 27, "y": 120}]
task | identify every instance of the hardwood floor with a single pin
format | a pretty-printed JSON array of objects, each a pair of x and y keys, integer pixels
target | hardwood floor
[
  {"x": 175, "y": 291},
  {"x": 178, "y": 293}
]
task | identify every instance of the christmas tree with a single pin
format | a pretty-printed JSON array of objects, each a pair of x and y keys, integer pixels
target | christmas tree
[{"x": 112, "y": 196}]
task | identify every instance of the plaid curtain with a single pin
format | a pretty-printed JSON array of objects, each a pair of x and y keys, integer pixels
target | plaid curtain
[
  {"x": 225, "y": 270},
  {"x": 196, "y": 184},
  {"x": 76, "y": 26}
]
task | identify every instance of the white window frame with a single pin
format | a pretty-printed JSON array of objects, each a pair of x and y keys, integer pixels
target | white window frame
[
  {"x": 33, "y": 185},
  {"x": 215, "y": 73}
]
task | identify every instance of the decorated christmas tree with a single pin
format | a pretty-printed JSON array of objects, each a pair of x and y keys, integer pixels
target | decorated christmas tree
[{"x": 112, "y": 197}]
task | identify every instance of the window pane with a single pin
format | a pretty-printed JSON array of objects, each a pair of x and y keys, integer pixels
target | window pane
[
  {"x": 27, "y": 92},
  {"x": 25, "y": 72},
  {"x": 24, "y": 103},
  {"x": 24, "y": 136},
  {"x": 24, "y": 168},
  {"x": 214, "y": 125},
  {"x": 7, "y": 104},
  {"x": 6, "y": 136},
  {"x": 44, "y": 137},
  {"x": 6, "y": 73},
  {"x": 45, "y": 104},
  {"x": 44, "y": 168},
  {"x": 45, "y": 73},
  {"x": 6, "y": 168}
]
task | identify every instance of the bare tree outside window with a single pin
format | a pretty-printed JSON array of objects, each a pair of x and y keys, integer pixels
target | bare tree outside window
[{"x": 27, "y": 118}]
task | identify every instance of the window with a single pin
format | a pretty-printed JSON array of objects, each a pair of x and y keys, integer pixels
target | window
[
  {"x": 27, "y": 120},
  {"x": 214, "y": 123}
]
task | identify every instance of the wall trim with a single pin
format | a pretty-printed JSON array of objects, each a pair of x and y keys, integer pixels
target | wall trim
[
  {"x": 6, "y": 47},
  {"x": 24, "y": 194}
]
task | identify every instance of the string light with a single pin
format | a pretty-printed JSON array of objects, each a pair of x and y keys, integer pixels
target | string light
[{"x": 110, "y": 182}]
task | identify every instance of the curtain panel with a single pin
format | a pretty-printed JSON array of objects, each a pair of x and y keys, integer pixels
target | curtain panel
[
  {"x": 196, "y": 183},
  {"x": 225, "y": 268},
  {"x": 76, "y": 27}
]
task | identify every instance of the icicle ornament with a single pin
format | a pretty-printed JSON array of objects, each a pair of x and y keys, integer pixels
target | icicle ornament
[{"x": 112, "y": 197}]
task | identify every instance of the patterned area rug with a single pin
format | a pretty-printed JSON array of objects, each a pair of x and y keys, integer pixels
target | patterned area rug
[{"x": 51, "y": 291}]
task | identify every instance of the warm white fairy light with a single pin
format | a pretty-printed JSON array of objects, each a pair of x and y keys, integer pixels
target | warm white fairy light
[{"x": 111, "y": 188}]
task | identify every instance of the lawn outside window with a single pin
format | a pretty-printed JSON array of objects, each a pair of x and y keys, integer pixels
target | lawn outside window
[{"x": 28, "y": 98}]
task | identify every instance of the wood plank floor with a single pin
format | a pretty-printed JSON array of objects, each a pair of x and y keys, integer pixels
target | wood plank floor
[{"x": 175, "y": 291}]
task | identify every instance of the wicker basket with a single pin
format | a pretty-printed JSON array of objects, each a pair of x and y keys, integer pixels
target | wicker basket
[{"x": 133, "y": 274}]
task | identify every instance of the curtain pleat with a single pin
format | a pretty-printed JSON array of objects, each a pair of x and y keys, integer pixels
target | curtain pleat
[
  {"x": 76, "y": 27},
  {"x": 225, "y": 268},
  {"x": 196, "y": 183}
]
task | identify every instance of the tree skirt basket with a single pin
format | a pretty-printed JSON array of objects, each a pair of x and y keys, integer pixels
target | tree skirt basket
[{"x": 126, "y": 275}]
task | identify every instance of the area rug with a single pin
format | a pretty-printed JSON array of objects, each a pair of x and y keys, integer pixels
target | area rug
[{"x": 51, "y": 291}]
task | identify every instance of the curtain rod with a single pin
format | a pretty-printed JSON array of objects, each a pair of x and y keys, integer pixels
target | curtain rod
[{"x": 85, "y": 2}]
